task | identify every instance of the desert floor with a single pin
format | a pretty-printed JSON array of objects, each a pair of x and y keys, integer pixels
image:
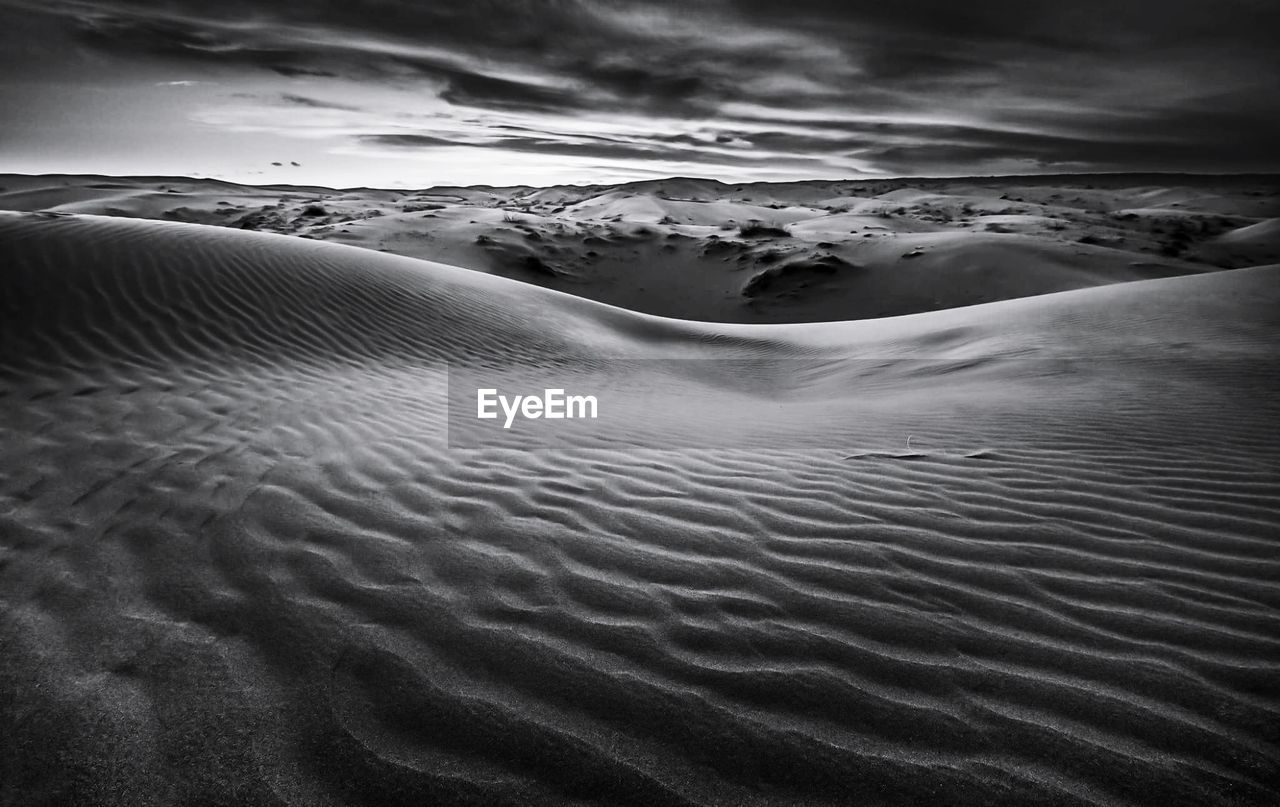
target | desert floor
[
  {"x": 994, "y": 520},
  {"x": 706, "y": 251}
]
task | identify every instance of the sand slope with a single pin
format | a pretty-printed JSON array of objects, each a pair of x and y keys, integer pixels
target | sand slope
[
  {"x": 686, "y": 248},
  {"x": 239, "y": 563}
]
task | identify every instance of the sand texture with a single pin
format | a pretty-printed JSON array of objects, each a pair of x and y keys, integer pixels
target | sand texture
[
  {"x": 753, "y": 253},
  {"x": 240, "y": 563}
]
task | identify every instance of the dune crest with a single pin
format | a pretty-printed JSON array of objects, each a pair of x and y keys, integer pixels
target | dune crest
[{"x": 700, "y": 249}]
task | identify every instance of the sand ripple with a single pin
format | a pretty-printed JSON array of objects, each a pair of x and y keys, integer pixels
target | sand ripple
[{"x": 239, "y": 563}]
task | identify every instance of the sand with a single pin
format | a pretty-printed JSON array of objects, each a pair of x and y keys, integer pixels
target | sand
[
  {"x": 1022, "y": 552},
  {"x": 676, "y": 248}
]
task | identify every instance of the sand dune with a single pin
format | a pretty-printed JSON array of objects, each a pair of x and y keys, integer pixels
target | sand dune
[
  {"x": 1251, "y": 244},
  {"x": 752, "y": 253},
  {"x": 241, "y": 564}
]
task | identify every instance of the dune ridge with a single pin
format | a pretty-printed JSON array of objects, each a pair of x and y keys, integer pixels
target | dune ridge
[
  {"x": 241, "y": 564},
  {"x": 755, "y": 252}
]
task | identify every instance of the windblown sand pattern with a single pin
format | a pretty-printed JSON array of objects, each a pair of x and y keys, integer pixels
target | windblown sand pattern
[{"x": 240, "y": 563}]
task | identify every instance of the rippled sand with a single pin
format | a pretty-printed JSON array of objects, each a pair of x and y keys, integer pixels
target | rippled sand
[{"x": 241, "y": 564}]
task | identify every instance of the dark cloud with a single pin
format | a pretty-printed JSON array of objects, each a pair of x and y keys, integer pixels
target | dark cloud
[
  {"x": 1091, "y": 25},
  {"x": 651, "y": 87},
  {"x": 910, "y": 86},
  {"x": 478, "y": 90},
  {"x": 648, "y": 150},
  {"x": 294, "y": 72},
  {"x": 408, "y": 140},
  {"x": 314, "y": 103}
]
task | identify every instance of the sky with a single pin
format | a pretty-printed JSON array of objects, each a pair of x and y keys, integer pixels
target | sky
[{"x": 405, "y": 93}]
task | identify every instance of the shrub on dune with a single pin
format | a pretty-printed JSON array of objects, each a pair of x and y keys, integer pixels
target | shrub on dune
[{"x": 758, "y": 229}]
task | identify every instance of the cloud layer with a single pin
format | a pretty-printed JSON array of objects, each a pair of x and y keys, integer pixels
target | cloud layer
[{"x": 737, "y": 89}]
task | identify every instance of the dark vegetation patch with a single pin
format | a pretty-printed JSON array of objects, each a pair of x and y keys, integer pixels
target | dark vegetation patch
[
  {"x": 717, "y": 246},
  {"x": 796, "y": 274},
  {"x": 759, "y": 229},
  {"x": 536, "y": 265},
  {"x": 262, "y": 219}
]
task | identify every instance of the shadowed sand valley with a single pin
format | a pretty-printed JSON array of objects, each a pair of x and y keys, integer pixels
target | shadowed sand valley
[
  {"x": 757, "y": 252},
  {"x": 241, "y": 563}
]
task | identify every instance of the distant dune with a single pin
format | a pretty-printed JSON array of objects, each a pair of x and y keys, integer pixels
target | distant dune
[
  {"x": 1021, "y": 552},
  {"x": 686, "y": 248}
]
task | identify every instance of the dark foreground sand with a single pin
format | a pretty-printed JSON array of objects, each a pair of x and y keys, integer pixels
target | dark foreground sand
[{"x": 239, "y": 564}]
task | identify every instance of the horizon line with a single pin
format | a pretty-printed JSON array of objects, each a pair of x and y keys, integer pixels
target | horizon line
[{"x": 753, "y": 183}]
